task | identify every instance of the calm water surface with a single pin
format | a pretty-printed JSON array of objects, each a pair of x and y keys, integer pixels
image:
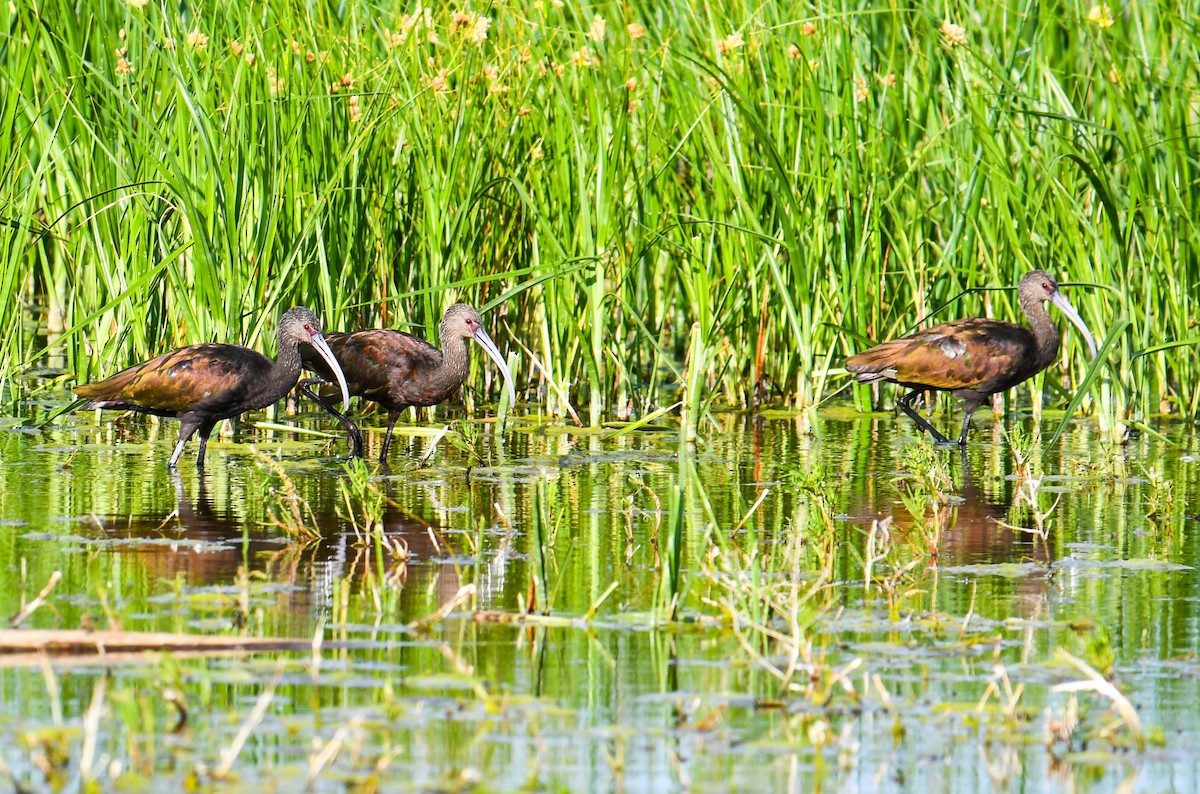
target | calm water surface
[{"x": 936, "y": 676}]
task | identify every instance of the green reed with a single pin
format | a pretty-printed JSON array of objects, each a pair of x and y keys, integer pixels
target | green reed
[{"x": 604, "y": 178}]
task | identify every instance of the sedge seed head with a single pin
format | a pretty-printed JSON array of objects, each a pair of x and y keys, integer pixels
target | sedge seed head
[
  {"x": 731, "y": 43},
  {"x": 1101, "y": 16},
  {"x": 953, "y": 35},
  {"x": 598, "y": 28},
  {"x": 479, "y": 30}
]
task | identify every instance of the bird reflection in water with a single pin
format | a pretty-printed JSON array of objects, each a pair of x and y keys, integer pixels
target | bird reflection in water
[
  {"x": 975, "y": 531},
  {"x": 206, "y": 546},
  {"x": 975, "y": 525}
]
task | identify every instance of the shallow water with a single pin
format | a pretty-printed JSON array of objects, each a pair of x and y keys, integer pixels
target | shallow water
[{"x": 603, "y": 688}]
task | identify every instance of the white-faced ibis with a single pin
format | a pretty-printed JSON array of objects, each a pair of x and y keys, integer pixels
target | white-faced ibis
[
  {"x": 974, "y": 358},
  {"x": 399, "y": 371},
  {"x": 203, "y": 384}
]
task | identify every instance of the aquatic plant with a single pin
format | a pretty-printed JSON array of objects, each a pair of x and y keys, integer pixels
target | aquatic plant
[
  {"x": 737, "y": 187},
  {"x": 286, "y": 508},
  {"x": 363, "y": 499},
  {"x": 925, "y": 486}
]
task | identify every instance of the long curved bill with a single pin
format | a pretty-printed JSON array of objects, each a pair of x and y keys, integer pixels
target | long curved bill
[
  {"x": 1064, "y": 305},
  {"x": 321, "y": 346},
  {"x": 485, "y": 341}
]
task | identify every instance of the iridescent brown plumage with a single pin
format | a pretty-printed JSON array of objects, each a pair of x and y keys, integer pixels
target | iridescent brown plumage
[
  {"x": 203, "y": 384},
  {"x": 974, "y": 358},
  {"x": 399, "y": 371}
]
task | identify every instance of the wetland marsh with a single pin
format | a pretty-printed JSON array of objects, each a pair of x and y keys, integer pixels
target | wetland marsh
[
  {"x": 685, "y": 215},
  {"x": 564, "y": 609}
]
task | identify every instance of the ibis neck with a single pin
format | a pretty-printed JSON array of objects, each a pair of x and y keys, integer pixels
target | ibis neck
[
  {"x": 283, "y": 375},
  {"x": 455, "y": 358},
  {"x": 1045, "y": 332}
]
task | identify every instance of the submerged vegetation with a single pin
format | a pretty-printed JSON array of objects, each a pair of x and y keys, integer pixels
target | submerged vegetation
[{"x": 752, "y": 191}]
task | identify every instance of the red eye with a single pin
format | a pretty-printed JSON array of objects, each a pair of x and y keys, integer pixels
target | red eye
[
  {"x": 1047, "y": 286},
  {"x": 309, "y": 329}
]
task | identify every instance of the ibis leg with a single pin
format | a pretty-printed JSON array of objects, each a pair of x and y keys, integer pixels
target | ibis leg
[
  {"x": 905, "y": 404},
  {"x": 355, "y": 435},
  {"x": 186, "y": 428},
  {"x": 178, "y": 451},
  {"x": 205, "y": 431},
  {"x": 387, "y": 440},
  {"x": 968, "y": 409}
]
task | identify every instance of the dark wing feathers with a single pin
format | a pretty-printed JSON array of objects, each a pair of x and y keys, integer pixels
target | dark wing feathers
[
  {"x": 208, "y": 376},
  {"x": 377, "y": 362},
  {"x": 965, "y": 354}
]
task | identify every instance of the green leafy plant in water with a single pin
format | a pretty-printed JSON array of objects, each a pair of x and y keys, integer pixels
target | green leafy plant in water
[
  {"x": 1032, "y": 502},
  {"x": 286, "y": 509},
  {"x": 669, "y": 542},
  {"x": 924, "y": 486},
  {"x": 1026, "y": 452},
  {"x": 1160, "y": 501},
  {"x": 1093, "y": 644},
  {"x": 773, "y": 594},
  {"x": 928, "y": 465},
  {"x": 818, "y": 485},
  {"x": 363, "y": 499},
  {"x": 363, "y": 504},
  {"x": 770, "y": 612},
  {"x": 467, "y": 438}
]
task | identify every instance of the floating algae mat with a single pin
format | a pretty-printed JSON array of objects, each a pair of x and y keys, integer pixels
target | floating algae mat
[{"x": 550, "y": 610}]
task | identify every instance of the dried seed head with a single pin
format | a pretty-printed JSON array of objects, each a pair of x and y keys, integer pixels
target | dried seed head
[
  {"x": 730, "y": 43},
  {"x": 1101, "y": 16},
  {"x": 953, "y": 35},
  {"x": 582, "y": 58},
  {"x": 479, "y": 30},
  {"x": 440, "y": 82},
  {"x": 598, "y": 28}
]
